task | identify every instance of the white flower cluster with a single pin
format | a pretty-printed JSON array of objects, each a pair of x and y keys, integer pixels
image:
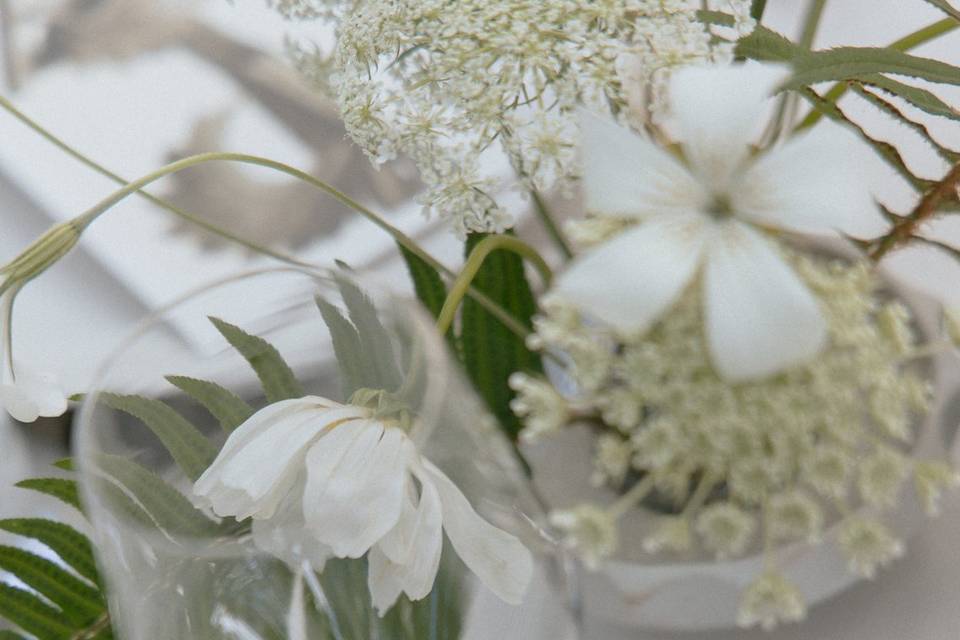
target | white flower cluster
[
  {"x": 445, "y": 83},
  {"x": 757, "y": 462}
]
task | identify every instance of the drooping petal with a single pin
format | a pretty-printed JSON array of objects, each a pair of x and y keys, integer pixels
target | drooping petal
[
  {"x": 811, "y": 184},
  {"x": 629, "y": 281},
  {"x": 250, "y": 479},
  {"x": 760, "y": 317},
  {"x": 625, "y": 175},
  {"x": 33, "y": 395},
  {"x": 719, "y": 109},
  {"x": 501, "y": 562},
  {"x": 415, "y": 574},
  {"x": 356, "y": 479}
]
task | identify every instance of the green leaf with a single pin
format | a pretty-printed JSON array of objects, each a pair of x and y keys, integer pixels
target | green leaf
[
  {"x": 491, "y": 352},
  {"x": 65, "y": 464},
  {"x": 920, "y": 98},
  {"x": 32, "y": 614},
  {"x": 80, "y": 602},
  {"x": 60, "y": 488},
  {"x": 275, "y": 374},
  {"x": 227, "y": 407},
  {"x": 166, "y": 506},
  {"x": 354, "y": 369},
  {"x": 69, "y": 544},
  {"x": 6, "y": 634},
  {"x": 375, "y": 342},
  {"x": 427, "y": 283},
  {"x": 945, "y": 6},
  {"x": 191, "y": 450}
]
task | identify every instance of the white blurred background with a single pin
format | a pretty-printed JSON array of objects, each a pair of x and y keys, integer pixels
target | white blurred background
[{"x": 136, "y": 83}]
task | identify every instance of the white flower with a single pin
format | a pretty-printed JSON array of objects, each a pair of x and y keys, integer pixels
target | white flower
[
  {"x": 795, "y": 516},
  {"x": 31, "y": 395},
  {"x": 711, "y": 216},
  {"x": 671, "y": 534},
  {"x": 588, "y": 530},
  {"x": 321, "y": 475},
  {"x": 930, "y": 480},
  {"x": 868, "y": 545},
  {"x": 769, "y": 601},
  {"x": 544, "y": 410},
  {"x": 726, "y": 529}
]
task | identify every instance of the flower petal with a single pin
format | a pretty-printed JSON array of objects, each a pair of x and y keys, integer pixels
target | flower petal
[
  {"x": 383, "y": 581},
  {"x": 501, "y": 562},
  {"x": 262, "y": 459},
  {"x": 356, "y": 479},
  {"x": 760, "y": 317},
  {"x": 718, "y": 109},
  {"x": 632, "y": 279},
  {"x": 286, "y": 536},
  {"x": 811, "y": 184},
  {"x": 44, "y": 391},
  {"x": 625, "y": 175}
]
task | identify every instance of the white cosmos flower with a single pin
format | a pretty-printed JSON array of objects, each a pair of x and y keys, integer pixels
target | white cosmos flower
[
  {"x": 325, "y": 479},
  {"x": 711, "y": 215}
]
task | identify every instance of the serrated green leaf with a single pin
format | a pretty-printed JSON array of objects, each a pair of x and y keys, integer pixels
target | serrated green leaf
[
  {"x": 32, "y": 614},
  {"x": 166, "y": 506},
  {"x": 191, "y": 450},
  {"x": 920, "y": 98},
  {"x": 59, "y": 488},
  {"x": 427, "y": 282},
  {"x": 70, "y": 545},
  {"x": 884, "y": 149},
  {"x": 275, "y": 374},
  {"x": 375, "y": 342},
  {"x": 80, "y": 602},
  {"x": 917, "y": 127},
  {"x": 491, "y": 352},
  {"x": 355, "y": 372},
  {"x": 224, "y": 405},
  {"x": 945, "y": 6}
]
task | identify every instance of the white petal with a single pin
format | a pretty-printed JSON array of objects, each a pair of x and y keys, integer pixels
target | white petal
[
  {"x": 263, "y": 458},
  {"x": 719, "y": 109},
  {"x": 44, "y": 391},
  {"x": 812, "y": 184},
  {"x": 383, "y": 581},
  {"x": 501, "y": 562},
  {"x": 760, "y": 317},
  {"x": 629, "y": 281},
  {"x": 356, "y": 479},
  {"x": 19, "y": 405},
  {"x": 625, "y": 175}
]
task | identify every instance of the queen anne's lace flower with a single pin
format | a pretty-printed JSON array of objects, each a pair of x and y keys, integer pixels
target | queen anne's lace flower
[
  {"x": 589, "y": 530},
  {"x": 323, "y": 479},
  {"x": 930, "y": 480},
  {"x": 671, "y": 534},
  {"x": 709, "y": 217},
  {"x": 868, "y": 545},
  {"x": 725, "y": 529},
  {"x": 795, "y": 516},
  {"x": 547, "y": 409},
  {"x": 451, "y": 85},
  {"x": 769, "y": 601},
  {"x": 881, "y": 476}
]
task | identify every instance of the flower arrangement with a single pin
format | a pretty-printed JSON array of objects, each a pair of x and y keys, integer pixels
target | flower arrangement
[{"x": 718, "y": 326}]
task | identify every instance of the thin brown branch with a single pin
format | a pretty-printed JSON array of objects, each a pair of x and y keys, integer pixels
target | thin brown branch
[{"x": 906, "y": 228}]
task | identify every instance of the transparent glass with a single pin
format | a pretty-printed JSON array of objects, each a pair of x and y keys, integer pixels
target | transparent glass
[{"x": 176, "y": 572}]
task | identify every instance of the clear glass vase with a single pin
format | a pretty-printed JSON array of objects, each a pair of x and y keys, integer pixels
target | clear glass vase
[{"x": 177, "y": 572}]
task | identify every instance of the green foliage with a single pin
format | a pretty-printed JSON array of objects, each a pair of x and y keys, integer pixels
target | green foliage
[
  {"x": 61, "y": 598},
  {"x": 59, "y": 488},
  {"x": 354, "y": 369},
  {"x": 275, "y": 375},
  {"x": 376, "y": 347},
  {"x": 491, "y": 352},
  {"x": 427, "y": 283},
  {"x": 191, "y": 450},
  {"x": 226, "y": 406}
]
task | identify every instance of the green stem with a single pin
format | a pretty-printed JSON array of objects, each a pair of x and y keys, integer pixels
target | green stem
[
  {"x": 461, "y": 286},
  {"x": 185, "y": 215},
  {"x": 403, "y": 239},
  {"x": 543, "y": 212},
  {"x": 757, "y": 9},
  {"x": 700, "y": 494},
  {"x": 908, "y": 42},
  {"x": 632, "y": 498},
  {"x": 812, "y": 23}
]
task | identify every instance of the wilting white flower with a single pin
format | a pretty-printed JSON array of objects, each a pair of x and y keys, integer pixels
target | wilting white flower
[
  {"x": 769, "y": 601},
  {"x": 711, "y": 214},
  {"x": 340, "y": 479},
  {"x": 868, "y": 545},
  {"x": 588, "y": 530}
]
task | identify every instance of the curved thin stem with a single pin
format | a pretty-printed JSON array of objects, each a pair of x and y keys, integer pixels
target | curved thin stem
[
  {"x": 476, "y": 259},
  {"x": 908, "y": 42},
  {"x": 177, "y": 211}
]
